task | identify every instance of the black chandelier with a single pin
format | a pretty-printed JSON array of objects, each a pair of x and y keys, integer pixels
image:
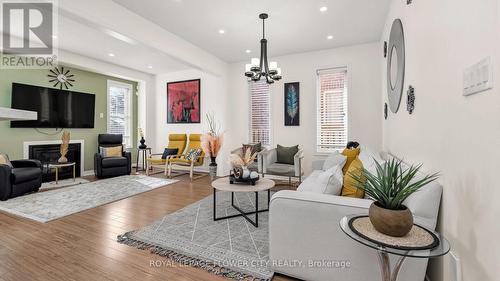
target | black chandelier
[{"x": 258, "y": 68}]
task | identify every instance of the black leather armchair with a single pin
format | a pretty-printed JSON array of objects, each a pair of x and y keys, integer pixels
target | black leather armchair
[
  {"x": 105, "y": 167},
  {"x": 23, "y": 177}
]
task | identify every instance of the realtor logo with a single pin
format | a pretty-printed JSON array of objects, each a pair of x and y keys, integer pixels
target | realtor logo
[{"x": 27, "y": 34}]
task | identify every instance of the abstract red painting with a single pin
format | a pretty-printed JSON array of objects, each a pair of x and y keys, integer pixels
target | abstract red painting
[{"x": 183, "y": 101}]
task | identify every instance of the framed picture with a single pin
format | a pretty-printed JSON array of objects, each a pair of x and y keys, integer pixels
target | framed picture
[
  {"x": 292, "y": 104},
  {"x": 183, "y": 101}
]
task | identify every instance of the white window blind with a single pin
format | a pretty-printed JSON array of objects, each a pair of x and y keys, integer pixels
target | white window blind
[
  {"x": 332, "y": 109},
  {"x": 260, "y": 112},
  {"x": 120, "y": 110}
]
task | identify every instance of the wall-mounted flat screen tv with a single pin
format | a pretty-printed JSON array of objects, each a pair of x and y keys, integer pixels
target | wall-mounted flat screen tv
[{"x": 56, "y": 108}]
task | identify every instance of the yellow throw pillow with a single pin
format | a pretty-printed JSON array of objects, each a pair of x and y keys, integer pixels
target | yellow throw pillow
[
  {"x": 112, "y": 151},
  {"x": 351, "y": 154},
  {"x": 350, "y": 189}
]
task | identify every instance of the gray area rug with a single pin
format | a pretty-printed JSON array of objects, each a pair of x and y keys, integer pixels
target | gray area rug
[
  {"x": 51, "y": 205},
  {"x": 233, "y": 248}
]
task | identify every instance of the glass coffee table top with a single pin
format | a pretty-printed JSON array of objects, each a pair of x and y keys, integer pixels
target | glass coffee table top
[{"x": 442, "y": 249}]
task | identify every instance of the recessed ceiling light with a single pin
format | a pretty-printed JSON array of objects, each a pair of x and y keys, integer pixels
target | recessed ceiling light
[
  {"x": 323, "y": 9},
  {"x": 222, "y": 31},
  {"x": 329, "y": 37},
  {"x": 150, "y": 66},
  {"x": 111, "y": 54},
  {"x": 248, "y": 51}
]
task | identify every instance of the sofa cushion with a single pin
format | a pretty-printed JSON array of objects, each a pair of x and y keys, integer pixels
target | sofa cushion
[
  {"x": 324, "y": 182},
  {"x": 109, "y": 162},
  {"x": 285, "y": 155},
  {"x": 281, "y": 169},
  {"x": 25, "y": 174},
  {"x": 334, "y": 159},
  {"x": 351, "y": 154},
  {"x": 369, "y": 158},
  {"x": 350, "y": 189}
]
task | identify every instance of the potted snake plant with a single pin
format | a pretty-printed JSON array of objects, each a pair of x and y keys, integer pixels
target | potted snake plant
[{"x": 389, "y": 188}]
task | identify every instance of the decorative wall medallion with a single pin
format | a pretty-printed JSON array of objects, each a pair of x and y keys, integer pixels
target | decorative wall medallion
[
  {"x": 61, "y": 78},
  {"x": 395, "y": 65},
  {"x": 385, "y": 49},
  {"x": 386, "y": 111},
  {"x": 410, "y": 99}
]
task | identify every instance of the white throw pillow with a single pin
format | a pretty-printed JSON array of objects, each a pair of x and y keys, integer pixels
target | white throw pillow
[
  {"x": 324, "y": 182},
  {"x": 368, "y": 157},
  {"x": 333, "y": 185},
  {"x": 334, "y": 159}
]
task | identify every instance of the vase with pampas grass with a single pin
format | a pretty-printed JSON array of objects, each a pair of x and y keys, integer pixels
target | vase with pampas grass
[
  {"x": 211, "y": 143},
  {"x": 64, "y": 147}
]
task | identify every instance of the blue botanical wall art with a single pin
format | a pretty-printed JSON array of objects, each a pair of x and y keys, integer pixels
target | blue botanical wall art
[{"x": 292, "y": 104}]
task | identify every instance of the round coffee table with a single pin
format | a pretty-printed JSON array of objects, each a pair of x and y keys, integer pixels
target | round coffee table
[
  {"x": 223, "y": 184},
  {"x": 388, "y": 273}
]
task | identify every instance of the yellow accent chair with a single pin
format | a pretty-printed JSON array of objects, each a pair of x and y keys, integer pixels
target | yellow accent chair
[
  {"x": 175, "y": 141},
  {"x": 182, "y": 161}
]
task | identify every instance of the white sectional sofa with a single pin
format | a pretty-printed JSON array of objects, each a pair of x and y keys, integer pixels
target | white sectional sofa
[{"x": 304, "y": 231}]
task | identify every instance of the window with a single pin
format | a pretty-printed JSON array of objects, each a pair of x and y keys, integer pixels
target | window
[
  {"x": 260, "y": 112},
  {"x": 332, "y": 109},
  {"x": 120, "y": 110}
]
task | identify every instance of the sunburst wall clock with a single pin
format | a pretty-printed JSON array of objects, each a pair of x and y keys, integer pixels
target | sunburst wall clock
[{"x": 61, "y": 78}]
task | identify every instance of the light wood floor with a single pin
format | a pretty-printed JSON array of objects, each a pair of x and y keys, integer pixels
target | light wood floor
[{"x": 83, "y": 246}]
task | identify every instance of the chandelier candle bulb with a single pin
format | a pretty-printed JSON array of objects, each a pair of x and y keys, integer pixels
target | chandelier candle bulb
[{"x": 273, "y": 65}]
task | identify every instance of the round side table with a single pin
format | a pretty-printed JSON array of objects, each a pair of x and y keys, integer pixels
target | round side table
[
  {"x": 144, "y": 152},
  {"x": 57, "y": 166},
  {"x": 388, "y": 273}
]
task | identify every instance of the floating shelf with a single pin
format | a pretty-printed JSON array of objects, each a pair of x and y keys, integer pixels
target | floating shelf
[{"x": 9, "y": 114}]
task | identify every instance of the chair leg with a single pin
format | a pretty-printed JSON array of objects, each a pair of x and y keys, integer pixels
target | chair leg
[{"x": 165, "y": 171}]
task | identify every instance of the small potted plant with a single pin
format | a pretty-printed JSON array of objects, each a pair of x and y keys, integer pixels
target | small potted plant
[{"x": 389, "y": 188}]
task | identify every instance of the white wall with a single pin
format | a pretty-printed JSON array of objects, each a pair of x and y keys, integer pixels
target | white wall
[
  {"x": 457, "y": 135},
  {"x": 364, "y": 102},
  {"x": 213, "y": 100}
]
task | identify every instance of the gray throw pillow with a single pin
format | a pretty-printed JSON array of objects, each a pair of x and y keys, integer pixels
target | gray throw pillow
[{"x": 285, "y": 154}]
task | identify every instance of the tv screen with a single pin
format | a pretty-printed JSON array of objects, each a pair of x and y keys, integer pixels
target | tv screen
[{"x": 56, "y": 108}]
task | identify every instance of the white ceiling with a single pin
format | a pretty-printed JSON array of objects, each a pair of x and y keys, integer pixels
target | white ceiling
[
  {"x": 80, "y": 36},
  {"x": 293, "y": 26}
]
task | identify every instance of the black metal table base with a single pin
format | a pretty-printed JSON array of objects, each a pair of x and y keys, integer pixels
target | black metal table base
[{"x": 242, "y": 213}]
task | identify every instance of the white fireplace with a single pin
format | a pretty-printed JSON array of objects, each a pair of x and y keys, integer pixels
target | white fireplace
[{"x": 27, "y": 144}]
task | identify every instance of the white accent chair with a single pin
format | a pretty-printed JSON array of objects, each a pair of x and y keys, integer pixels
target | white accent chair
[
  {"x": 304, "y": 227},
  {"x": 271, "y": 167}
]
